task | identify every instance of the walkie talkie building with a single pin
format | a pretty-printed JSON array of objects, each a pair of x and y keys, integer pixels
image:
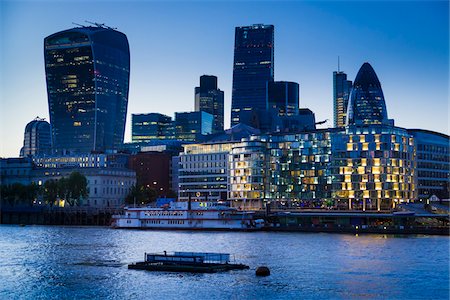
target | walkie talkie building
[{"x": 87, "y": 72}]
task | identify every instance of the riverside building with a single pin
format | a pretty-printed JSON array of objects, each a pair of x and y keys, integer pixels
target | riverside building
[
  {"x": 433, "y": 163},
  {"x": 357, "y": 168}
]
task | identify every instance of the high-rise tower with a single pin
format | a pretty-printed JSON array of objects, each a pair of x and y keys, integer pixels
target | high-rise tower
[
  {"x": 209, "y": 98},
  {"x": 253, "y": 68},
  {"x": 87, "y": 71},
  {"x": 37, "y": 138},
  {"x": 341, "y": 92},
  {"x": 366, "y": 104}
]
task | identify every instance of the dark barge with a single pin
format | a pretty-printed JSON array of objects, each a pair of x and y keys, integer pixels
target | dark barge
[{"x": 194, "y": 262}]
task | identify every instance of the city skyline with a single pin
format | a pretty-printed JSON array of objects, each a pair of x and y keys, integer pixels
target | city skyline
[{"x": 411, "y": 60}]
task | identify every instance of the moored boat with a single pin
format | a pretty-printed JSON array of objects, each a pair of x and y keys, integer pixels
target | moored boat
[{"x": 195, "y": 262}]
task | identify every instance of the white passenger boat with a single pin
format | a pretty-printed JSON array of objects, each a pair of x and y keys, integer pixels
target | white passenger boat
[{"x": 187, "y": 215}]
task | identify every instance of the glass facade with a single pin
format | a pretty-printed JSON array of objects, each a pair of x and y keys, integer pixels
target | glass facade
[
  {"x": 248, "y": 179},
  {"x": 354, "y": 168},
  {"x": 37, "y": 138},
  {"x": 87, "y": 73},
  {"x": 209, "y": 98},
  {"x": 366, "y": 104},
  {"x": 203, "y": 172},
  {"x": 283, "y": 98},
  {"x": 253, "y": 67},
  {"x": 152, "y": 126},
  {"x": 341, "y": 92},
  {"x": 433, "y": 163},
  {"x": 373, "y": 167},
  {"x": 191, "y": 126}
]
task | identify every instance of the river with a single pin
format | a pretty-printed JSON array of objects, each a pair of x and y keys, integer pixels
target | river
[{"x": 57, "y": 262}]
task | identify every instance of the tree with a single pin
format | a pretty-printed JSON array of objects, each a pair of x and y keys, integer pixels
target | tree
[
  {"x": 136, "y": 195},
  {"x": 77, "y": 188},
  {"x": 51, "y": 189},
  {"x": 32, "y": 191}
]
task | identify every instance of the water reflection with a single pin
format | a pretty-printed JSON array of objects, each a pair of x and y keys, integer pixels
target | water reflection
[{"x": 90, "y": 262}]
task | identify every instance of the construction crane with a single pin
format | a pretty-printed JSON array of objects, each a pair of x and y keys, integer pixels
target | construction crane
[
  {"x": 102, "y": 25},
  {"x": 321, "y": 122}
]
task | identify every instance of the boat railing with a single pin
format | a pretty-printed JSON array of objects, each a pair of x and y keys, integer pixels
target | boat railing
[{"x": 187, "y": 257}]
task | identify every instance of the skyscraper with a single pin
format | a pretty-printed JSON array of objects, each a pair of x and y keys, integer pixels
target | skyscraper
[
  {"x": 282, "y": 97},
  {"x": 37, "y": 139},
  {"x": 253, "y": 68},
  {"x": 366, "y": 104},
  {"x": 341, "y": 92},
  {"x": 87, "y": 71},
  {"x": 209, "y": 98}
]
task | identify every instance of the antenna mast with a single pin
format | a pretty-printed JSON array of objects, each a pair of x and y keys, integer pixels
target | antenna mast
[{"x": 338, "y": 64}]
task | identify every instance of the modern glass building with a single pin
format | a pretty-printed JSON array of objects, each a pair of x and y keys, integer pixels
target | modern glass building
[
  {"x": 253, "y": 68},
  {"x": 373, "y": 167},
  {"x": 366, "y": 104},
  {"x": 366, "y": 168},
  {"x": 341, "y": 92},
  {"x": 87, "y": 72},
  {"x": 37, "y": 138},
  {"x": 209, "y": 98},
  {"x": 152, "y": 126},
  {"x": 283, "y": 97},
  {"x": 433, "y": 163},
  {"x": 192, "y": 126}
]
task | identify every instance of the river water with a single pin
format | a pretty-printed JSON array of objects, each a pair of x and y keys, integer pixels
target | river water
[{"x": 56, "y": 262}]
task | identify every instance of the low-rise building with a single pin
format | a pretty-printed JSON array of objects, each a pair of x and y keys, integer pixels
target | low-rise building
[{"x": 433, "y": 163}]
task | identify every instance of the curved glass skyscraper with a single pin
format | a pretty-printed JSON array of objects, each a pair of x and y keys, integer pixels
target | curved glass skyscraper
[
  {"x": 87, "y": 72},
  {"x": 366, "y": 104}
]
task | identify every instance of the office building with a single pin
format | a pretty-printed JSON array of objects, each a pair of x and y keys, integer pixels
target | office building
[
  {"x": 152, "y": 170},
  {"x": 37, "y": 138},
  {"x": 341, "y": 92},
  {"x": 366, "y": 104},
  {"x": 367, "y": 168},
  {"x": 87, "y": 72},
  {"x": 193, "y": 126},
  {"x": 203, "y": 172},
  {"x": 209, "y": 98},
  {"x": 253, "y": 68},
  {"x": 283, "y": 98},
  {"x": 433, "y": 163},
  {"x": 152, "y": 126}
]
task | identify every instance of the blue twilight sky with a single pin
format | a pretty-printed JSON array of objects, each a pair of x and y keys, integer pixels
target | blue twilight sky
[{"x": 173, "y": 43}]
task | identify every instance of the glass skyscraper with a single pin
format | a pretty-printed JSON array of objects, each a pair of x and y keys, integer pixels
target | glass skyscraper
[
  {"x": 341, "y": 93},
  {"x": 366, "y": 105},
  {"x": 253, "y": 68},
  {"x": 87, "y": 72},
  {"x": 209, "y": 98}
]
